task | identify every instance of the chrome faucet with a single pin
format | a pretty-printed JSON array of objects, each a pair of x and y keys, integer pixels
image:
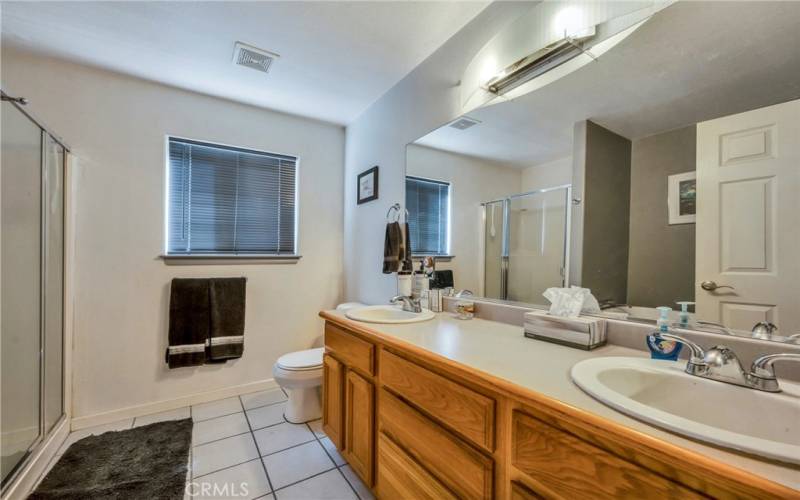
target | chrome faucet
[
  {"x": 409, "y": 304},
  {"x": 720, "y": 363},
  {"x": 762, "y": 375}
]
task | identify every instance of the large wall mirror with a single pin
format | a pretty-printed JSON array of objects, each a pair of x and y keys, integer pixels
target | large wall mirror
[{"x": 665, "y": 171}]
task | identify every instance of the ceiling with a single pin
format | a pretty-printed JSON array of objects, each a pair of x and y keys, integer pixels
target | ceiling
[
  {"x": 336, "y": 57},
  {"x": 691, "y": 62}
]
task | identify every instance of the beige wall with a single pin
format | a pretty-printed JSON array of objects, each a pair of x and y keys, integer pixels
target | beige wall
[
  {"x": 473, "y": 181},
  {"x": 116, "y": 126},
  {"x": 606, "y": 174},
  {"x": 661, "y": 260},
  {"x": 550, "y": 174}
]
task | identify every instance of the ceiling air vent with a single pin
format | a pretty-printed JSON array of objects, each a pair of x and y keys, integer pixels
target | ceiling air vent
[
  {"x": 464, "y": 123},
  {"x": 252, "y": 57}
]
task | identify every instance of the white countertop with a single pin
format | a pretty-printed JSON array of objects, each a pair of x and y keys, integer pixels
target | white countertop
[{"x": 503, "y": 351}]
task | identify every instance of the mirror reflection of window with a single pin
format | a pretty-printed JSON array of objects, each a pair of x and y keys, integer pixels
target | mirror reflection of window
[{"x": 428, "y": 204}]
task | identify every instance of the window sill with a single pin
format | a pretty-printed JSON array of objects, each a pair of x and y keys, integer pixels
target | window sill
[
  {"x": 199, "y": 259},
  {"x": 440, "y": 258}
]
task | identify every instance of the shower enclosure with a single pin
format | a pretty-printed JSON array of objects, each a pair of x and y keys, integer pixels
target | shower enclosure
[
  {"x": 32, "y": 168},
  {"x": 526, "y": 244}
]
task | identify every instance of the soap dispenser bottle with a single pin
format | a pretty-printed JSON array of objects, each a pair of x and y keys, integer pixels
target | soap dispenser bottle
[
  {"x": 684, "y": 314},
  {"x": 662, "y": 348}
]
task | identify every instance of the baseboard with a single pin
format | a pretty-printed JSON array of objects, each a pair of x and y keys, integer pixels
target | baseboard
[
  {"x": 170, "y": 404},
  {"x": 29, "y": 476}
]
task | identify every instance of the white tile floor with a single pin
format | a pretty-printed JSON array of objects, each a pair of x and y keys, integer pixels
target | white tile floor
[{"x": 246, "y": 449}]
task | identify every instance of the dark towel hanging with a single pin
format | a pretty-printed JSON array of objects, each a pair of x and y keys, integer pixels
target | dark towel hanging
[
  {"x": 188, "y": 322},
  {"x": 405, "y": 254},
  {"x": 227, "y": 299},
  {"x": 393, "y": 240}
]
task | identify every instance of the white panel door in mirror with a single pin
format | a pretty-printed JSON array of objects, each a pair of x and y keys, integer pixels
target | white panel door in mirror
[
  {"x": 747, "y": 145},
  {"x": 746, "y": 229},
  {"x": 745, "y": 316}
]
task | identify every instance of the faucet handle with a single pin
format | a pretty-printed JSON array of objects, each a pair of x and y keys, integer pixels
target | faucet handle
[
  {"x": 762, "y": 373},
  {"x": 696, "y": 365},
  {"x": 724, "y": 365}
]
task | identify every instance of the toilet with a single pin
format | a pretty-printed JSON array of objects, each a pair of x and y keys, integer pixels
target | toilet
[{"x": 299, "y": 373}]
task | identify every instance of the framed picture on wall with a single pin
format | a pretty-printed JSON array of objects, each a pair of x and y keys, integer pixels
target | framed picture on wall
[
  {"x": 368, "y": 185},
  {"x": 682, "y": 198}
]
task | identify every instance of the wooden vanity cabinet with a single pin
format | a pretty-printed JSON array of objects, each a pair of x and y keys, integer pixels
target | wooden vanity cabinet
[
  {"x": 359, "y": 426},
  {"x": 414, "y": 425},
  {"x": 348, "y": 399},
  {"x": 333, "y": 400}
]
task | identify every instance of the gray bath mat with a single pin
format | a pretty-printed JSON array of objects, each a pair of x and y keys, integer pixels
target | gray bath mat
[{"x": 148, "y": 462}]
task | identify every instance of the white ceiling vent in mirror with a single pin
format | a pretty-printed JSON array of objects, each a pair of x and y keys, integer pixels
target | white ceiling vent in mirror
[
  {"x": 464, "y": 123},
  {"x": 252, "y": 57}
]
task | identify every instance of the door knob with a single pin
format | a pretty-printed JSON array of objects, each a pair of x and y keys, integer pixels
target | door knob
[{"x": 710, "y": 286}]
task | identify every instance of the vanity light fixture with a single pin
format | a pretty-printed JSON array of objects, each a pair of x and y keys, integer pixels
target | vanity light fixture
[{"x": 538, "y": 63}]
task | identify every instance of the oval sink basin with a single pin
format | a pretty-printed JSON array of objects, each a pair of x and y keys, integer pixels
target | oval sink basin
[
  {"x": 388, "y": 315},
  {"x": 660, "y": 393}
]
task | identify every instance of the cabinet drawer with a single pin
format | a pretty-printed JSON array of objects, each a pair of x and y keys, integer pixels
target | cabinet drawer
[
  {"x": 567, "y": 466},
  {"x": 464, "y": 470},
  {"x": 399, "y": 476},
  {"x": 465, "y": 411},
  {"x": 353, "y": 351}
]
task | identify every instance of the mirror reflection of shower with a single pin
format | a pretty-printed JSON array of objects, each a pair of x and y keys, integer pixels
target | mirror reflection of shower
[{"x": 525, "y": 244}]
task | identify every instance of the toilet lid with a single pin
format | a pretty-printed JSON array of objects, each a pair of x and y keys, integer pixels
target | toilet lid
[{"x": 302, "y": 360}]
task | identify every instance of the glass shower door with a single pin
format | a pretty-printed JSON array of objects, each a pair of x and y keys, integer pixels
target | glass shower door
[
  {"x": 53, "y": 282},
  {"x": 20, "y": 302},
  {"x": 494, "y": 249},
  {"x": 537, "y": 242}
]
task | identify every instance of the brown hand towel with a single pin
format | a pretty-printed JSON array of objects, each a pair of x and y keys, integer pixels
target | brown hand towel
[
  {"x": 226, "y": 339},
  {"x": 405, "y": 253},
  {"x": 391, "y": 248},
  {"x": 188, "y": 322}
]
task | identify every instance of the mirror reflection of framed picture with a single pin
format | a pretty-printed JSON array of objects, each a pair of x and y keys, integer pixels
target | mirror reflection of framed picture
[
  {"x": 682, "y": 198},
  {"x": 368, "y": 185}
]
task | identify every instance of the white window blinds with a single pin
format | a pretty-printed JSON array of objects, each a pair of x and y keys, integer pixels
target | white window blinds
[
  {"x": 428, "y": 204},
  {"x": 230, "y": 201}
]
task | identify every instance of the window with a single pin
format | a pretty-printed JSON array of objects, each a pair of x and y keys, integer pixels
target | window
[
  {"x": 428, "y": 204},
  {"x": 230, "y": 201}
]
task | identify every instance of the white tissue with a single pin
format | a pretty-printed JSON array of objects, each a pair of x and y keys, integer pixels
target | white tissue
[{"x": 569, "y": 302}]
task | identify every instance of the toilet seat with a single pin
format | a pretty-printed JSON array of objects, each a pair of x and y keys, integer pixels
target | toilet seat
[{"x": 298, "y": 361}]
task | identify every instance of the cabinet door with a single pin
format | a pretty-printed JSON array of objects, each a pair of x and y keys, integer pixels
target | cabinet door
[
  {"x": 333, "y": 401},
  {"x": 359, "y": 425}
]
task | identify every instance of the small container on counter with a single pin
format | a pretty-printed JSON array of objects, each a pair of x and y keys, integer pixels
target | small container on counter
[{"x": 465, "y": 309}]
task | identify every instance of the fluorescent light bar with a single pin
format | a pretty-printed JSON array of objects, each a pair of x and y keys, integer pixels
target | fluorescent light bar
[{"x": 536, "y": 64}]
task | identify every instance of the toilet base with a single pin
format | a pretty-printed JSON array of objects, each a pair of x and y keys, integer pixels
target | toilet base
[{"x": 303, "y": 405}]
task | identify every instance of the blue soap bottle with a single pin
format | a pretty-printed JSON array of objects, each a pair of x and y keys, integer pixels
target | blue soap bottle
[{"x": 661, "y": 348}]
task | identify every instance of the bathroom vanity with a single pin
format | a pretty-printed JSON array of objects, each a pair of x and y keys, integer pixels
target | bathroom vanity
[{"x": 472, "y": 409}]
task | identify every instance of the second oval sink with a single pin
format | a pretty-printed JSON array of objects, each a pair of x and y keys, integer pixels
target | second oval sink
[
  {"x": 661, "y": 393},
  {"x": 388, "y": 315}
]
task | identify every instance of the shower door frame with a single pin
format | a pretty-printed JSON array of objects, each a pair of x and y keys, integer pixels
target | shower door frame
[
  {"x": 16, "y": 473},
  {"x": 504, "y": 259}
]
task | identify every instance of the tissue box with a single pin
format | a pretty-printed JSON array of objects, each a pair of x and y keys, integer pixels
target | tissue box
[{"x": 581, "y": 332}]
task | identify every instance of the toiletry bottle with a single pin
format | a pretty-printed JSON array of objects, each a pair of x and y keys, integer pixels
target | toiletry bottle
[
  {"x": 405, "y": 283},
  {"x": 660, "y": 348},
  {"x": 684, "y": 314}
]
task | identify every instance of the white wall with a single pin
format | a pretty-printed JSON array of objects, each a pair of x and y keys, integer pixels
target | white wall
[
  {"x": 472, "y": 181},
  {"x": 544, "y": 175},
  {"x": 425, "y": 99},
  {"x": 116, "y": 126}
]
